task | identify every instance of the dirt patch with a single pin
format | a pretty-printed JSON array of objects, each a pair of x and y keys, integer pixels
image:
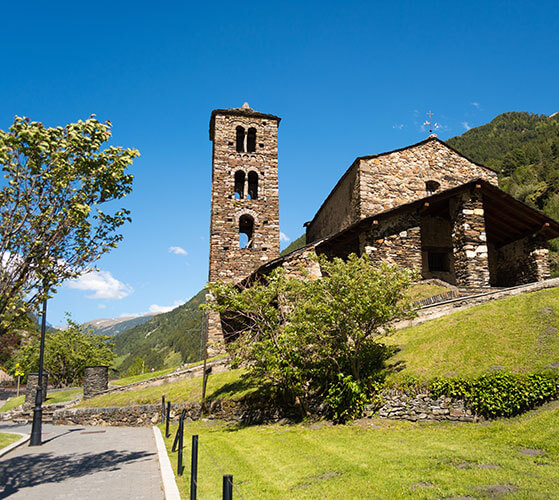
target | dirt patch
[
  {"x": 498, "y": 490},
  {"x": 424, "y": 485},
  {"x": 489, "y": 466},
  {"x": 531, "y": 452},
  {"x": 554, "y": 365}
]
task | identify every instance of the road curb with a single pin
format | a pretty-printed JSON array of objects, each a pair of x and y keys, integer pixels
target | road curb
[
  {"x": 13, "y": 446},
  {"x": 167, "y": 475}
]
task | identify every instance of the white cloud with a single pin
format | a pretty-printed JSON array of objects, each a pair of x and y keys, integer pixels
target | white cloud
[
  {"x": 398, "y": 126},
  {"x": 155, "y": 308},
  {"x": 284, "y": 237},
  {"x": 466, "y": 125},
  {"x": 102, "y": 306},
  {"x": 178, "y": 251},
  {"x": 475, "y": 104},
  {"x": 103, "y": 284}
]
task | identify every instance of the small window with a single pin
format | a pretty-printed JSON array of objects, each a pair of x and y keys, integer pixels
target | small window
[
  {"x": 239, "y": 185},
  {"x": 240, "y": 139},
  {"x": 246, "y": 228},
  {"x": 438, "y": 261},
  {"x": 251, "y": 140},
  {"x": 252, "y": 185},
  {"x": 431, "y": 187}
]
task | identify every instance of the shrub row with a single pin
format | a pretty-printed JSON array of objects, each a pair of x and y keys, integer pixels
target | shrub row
[{"x": 500, "y": 394}]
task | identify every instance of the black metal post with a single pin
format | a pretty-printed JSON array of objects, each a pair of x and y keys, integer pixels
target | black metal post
[
  {"x": 167, "y": 417},
  {"x": 227, "y": 487},
  {"x": 194, "y": 468},
  {"x": 180, "y": 429},
  {"x": 36, "y": 429},
  {"x": 162, "y": 408},
  {"x": 180, "y": 468}
]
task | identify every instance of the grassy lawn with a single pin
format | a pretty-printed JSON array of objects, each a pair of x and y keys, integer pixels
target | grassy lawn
[
  {"x": 517, "y": 458},
  {"x": 225, "y": 385},
  {"x": 7, "y": 439},
  {"x": 518, "y": 334},
  {"x": 52, "y": 398},
  {"x": 139, "y": 378},
  {"x": 421, "y": 291}
]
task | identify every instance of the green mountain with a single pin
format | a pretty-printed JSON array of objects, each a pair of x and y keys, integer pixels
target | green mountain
[
  {"x": 301, "y": 241},
  {"x": 114, "y": 326},
  {"x": 166, "y": 340},
  {"x": 524, "y": 149}
]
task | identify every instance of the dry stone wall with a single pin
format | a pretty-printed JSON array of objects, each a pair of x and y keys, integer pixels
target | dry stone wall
[{"x": 522, "y": 261}]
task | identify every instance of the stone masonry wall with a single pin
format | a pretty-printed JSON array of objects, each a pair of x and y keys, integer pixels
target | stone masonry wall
[
  {"x": 471, "y": 263},
  {"x": 341, "y": 209},
  {"x": 228, "y": 261},
  {"x": 423, "y": 407},
  {"x": 396, "y": 240},
  {"x": 31, "y": 388},
  {"x": 523, "y": 261},
  {"x": 95, "y": 380},
  {"x": 392, "y": 179}
]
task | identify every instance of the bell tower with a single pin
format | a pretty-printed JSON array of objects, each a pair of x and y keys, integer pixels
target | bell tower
[
  {"x": 244, "y": 227},
  {"x": 244, "y": 232}
]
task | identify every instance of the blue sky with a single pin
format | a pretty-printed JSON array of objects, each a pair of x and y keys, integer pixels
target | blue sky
[{"x": 347, "y": 78}]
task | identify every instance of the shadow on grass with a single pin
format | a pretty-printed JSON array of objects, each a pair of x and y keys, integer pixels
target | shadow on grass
[
  {"x": 243, "y": 384},
  {"x": 30, "y": 470}
]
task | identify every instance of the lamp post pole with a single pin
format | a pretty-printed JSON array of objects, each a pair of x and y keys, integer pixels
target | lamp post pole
[{"x": 36, "y": 429}]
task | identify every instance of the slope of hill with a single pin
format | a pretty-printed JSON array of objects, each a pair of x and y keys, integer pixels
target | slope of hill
[
  {"x": 114, "y": 326},
  {"x": 518, "y": 334},
  {"x": 524, "y": 149},
  {"x": 166, "y": 340},
  {"x": 301, "y": 241}
]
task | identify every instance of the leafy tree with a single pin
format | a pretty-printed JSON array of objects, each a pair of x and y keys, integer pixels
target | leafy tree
[
  {"x": 67, "y": 353},
  {"x": 55, "y": 184},
  {"x": 317, "y": 338}
]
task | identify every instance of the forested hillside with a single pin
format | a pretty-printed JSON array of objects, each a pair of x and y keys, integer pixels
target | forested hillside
[
  {"x": 524, "y": 149},
  {"x": 166, "y": 340}
]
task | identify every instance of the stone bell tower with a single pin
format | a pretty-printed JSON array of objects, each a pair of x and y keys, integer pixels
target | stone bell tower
[{"x": 244, "y": 231}]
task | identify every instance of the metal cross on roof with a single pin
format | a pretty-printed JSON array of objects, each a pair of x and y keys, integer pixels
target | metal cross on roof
[{"x": 432, "y": 126}]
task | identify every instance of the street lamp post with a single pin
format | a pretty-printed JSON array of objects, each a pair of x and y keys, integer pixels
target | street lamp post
[{"x": 36, "y": 429}]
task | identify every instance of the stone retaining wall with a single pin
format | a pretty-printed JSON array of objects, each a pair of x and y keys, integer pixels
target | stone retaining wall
[{"x": 423, "y": 407}]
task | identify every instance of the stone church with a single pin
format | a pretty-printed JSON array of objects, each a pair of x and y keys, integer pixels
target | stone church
[{"x": 424, "y": 206}]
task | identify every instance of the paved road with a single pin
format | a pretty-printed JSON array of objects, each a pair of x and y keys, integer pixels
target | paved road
[{"x": 75, "y": 462}]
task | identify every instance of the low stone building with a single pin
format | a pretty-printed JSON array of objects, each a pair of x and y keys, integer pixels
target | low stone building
[{"x": 424, "y": 206}]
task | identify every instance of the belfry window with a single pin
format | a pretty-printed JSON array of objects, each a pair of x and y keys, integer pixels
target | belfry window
[
  {"x": 246, "y": 228},
  {"x": 431, "y": 187},
  {"x": 239, "y": 184},
  {"x": 252, "y": 185},
  {"x": 251, "y": 140},
  {"x": 240, "y": 139}
]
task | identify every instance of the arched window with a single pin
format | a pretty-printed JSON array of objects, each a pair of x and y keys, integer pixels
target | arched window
[
  {"x": 246, "y": 228},
  {"x": 240, "y": 139},
  {"x": 252, "y": 185},
  {"x": 251, "y": 140},
  {"x": 431, "y": 187},
  {"x": 239, "y": 185}
]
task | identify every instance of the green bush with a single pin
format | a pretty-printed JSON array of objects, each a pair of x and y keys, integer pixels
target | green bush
[{"x": 500, "y": 394}]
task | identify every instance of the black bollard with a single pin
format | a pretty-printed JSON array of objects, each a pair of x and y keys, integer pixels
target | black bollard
[
  {"x": 167, "y": 418},
  {"x": 180, "y": 468},
  {"x": 227, "y": 487},
  {"x": 194, "y": 468},
  {"x": 162, "y": 409}
]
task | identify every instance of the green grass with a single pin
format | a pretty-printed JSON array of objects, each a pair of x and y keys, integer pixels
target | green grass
[
  {"x": 388, "y": 460},
  {"x": 225, "y": 385},
  {"x": 139, "y": 378},
  {"x": 52, "y": 398},
  {"x": 7, "y": 439},
  {"x": 421, "y": 291},
  {"x": 518, "y": 334}
]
